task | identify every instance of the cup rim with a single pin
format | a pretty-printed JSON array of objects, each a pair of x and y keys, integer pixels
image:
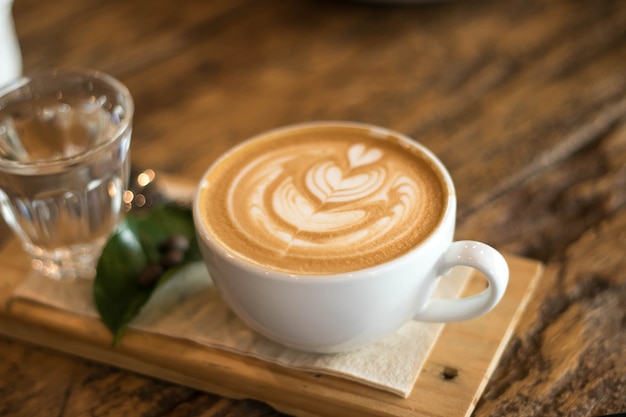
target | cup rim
[
  {"x": 206, "y": 238},
  {"x": 50, "y": 165}
]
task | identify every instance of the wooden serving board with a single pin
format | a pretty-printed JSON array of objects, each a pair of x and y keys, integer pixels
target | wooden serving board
[{"x": 470, "y": 349}]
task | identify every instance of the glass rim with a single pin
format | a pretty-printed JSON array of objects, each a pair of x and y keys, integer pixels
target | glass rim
[{"x": 49, "y": 165}]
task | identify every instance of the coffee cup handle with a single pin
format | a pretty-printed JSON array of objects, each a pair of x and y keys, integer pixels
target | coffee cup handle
[{"x": 476, "y": 255}]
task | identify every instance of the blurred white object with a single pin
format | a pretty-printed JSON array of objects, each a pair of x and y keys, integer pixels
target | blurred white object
[{"x": 10, "y": 56}]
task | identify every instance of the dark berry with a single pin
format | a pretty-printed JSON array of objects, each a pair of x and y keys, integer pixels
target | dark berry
[
  {"x": 172, "y": 258},
  {"x": 177, "y": 242},
  {"x": 150, "y": 275}
]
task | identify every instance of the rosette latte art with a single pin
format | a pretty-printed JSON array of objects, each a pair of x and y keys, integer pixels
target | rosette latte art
[{"x": 320, "y": 203}]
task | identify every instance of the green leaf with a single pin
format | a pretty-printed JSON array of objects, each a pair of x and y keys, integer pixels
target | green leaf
[{"x": 135, "y": 244}]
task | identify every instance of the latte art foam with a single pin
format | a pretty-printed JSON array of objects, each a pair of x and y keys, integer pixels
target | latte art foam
[{"x": 320, "y": 202}]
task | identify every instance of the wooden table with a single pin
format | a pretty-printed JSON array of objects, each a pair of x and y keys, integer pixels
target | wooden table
[{"x": 524, "y": 101}]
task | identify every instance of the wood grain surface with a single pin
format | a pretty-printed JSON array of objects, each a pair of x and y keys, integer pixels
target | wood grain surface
[{"x": 523, "y": 100}]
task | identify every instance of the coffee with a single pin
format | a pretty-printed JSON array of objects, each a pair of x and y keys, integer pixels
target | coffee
[{"x": 319, "y": 200}]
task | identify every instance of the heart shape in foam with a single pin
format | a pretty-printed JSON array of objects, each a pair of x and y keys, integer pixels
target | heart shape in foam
[
  {"x": 336, "y": 182},
  {"x": 329, "y": 184},
  {"x": 358, "y": 156}
]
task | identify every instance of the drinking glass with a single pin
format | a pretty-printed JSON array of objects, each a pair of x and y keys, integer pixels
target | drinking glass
[{"x": 64, "y": 165}]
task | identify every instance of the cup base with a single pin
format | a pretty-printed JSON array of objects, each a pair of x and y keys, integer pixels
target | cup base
[{"x": 66, "y": 263}]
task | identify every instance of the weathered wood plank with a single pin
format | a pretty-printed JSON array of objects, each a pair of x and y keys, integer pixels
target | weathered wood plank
[
  {"x": 115, "y": 36},
  {"x": 545, "y": 215},
  {"x": 569, "y": 356}
]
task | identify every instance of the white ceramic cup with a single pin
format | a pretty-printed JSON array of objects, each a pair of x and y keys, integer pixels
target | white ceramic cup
[{"x": 340, "y": 312}]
